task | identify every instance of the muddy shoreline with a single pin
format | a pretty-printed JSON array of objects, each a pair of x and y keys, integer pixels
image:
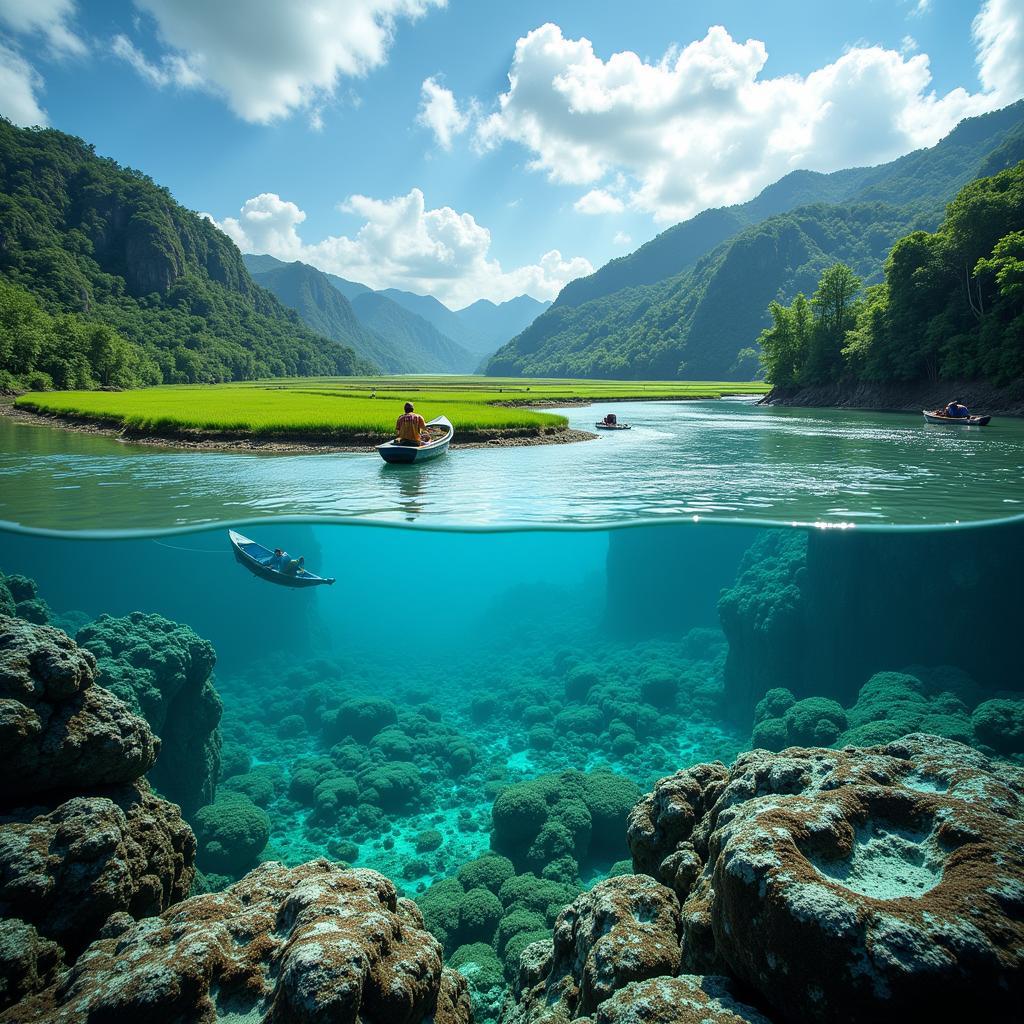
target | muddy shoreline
[{"x": 226, "y": 441}]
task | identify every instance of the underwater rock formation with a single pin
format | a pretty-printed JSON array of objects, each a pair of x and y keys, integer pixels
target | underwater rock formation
[
  {"x": 311, "y": 943},
  {"x": 19, "y": 596},
  {"x": 161, "y": 670},
  {"x": 81, "y": 835},
  {"x": 231, "y": 834},
  {"x": 843, "y": 606},
  {"x": 59, "y": 732},
  {"x": 66, "y": 870},
  {"x": 880, "y": 884},
  {"x": 614, "y": 957}
]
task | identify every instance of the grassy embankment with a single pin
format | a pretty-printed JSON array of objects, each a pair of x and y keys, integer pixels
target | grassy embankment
[{"x": 344, "y": 409}]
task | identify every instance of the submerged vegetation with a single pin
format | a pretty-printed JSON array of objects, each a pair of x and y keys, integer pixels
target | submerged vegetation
[{"x": 342, "y": 408}]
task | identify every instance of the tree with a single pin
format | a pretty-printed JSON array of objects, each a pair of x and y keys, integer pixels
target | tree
[
  {"x": 784, "y": 344},
  {"x": 834, "y": 315}
]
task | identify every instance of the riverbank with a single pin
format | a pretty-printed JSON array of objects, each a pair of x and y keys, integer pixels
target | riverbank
[
  {"x": 235, "y": 441},
  {"x": 985, "y": 399}
]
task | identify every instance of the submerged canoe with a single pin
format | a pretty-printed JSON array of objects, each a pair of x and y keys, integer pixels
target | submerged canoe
[
  {"x": 256, "y": 558},
  {"x": 956, "y": 421},
  {"x": 394, "y": 452}
]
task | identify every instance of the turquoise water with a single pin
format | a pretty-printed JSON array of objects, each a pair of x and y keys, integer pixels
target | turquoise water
[
  {"x": 720, "y": 460},
  {"x": 378, "y": 721}
]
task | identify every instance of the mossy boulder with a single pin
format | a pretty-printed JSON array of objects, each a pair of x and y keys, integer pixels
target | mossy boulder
[
  {"x": 999, "y": 724},
  {"x": 488, "y": 872},
  {"x": 231, "y": 833},
  {"x": 359, "y": 717}
]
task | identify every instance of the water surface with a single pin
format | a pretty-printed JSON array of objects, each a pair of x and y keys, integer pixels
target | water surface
[{"x": 728, "y": 459}]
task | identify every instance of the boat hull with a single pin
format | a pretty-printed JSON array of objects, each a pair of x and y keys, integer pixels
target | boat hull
[
  {"x": 956, "y": 421},
  {"x": 405, "y": 454},
  {"x": 612, "y": 426}
]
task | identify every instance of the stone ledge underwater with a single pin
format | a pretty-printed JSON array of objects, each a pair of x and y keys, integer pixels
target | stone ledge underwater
[{"x": 665, "y": 774}]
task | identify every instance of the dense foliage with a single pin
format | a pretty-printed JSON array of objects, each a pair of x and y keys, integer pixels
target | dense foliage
[
  {"x": 688, "y": 302},
  {"x": 88, "y": 237},
  {"x": 951, "y": 305}
]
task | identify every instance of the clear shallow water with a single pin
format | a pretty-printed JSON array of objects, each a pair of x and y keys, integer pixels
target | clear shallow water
[{"x": 725, "y": 460}]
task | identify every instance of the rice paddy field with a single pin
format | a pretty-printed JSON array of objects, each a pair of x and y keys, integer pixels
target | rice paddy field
[{"x": 345, "y": 407}]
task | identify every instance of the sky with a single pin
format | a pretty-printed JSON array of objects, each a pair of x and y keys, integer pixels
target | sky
[{"x": 469, "y": 149}]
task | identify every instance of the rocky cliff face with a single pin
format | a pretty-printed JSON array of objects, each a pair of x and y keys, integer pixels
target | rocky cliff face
[{"x": 313, "y": 943}]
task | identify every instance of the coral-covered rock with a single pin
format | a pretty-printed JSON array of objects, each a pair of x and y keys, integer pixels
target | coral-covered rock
[
  {"x": 306, "y": 944},
  {"x": 626, "y": 929},
  {"x": 862, "y": 884},
  {"x": 161, "y": 670},
  {"x": 231, "y": 833},
  {"x": 28, "y": 962},
  {"x": 66, "y": 870},
  {"x": 688, "y": 999},
  {"x": 59, "y": 732}
]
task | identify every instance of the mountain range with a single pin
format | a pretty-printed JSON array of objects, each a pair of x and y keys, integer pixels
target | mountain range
[
  {"x": 691, "y": 302},
  {"x": 400, "y": 331}
]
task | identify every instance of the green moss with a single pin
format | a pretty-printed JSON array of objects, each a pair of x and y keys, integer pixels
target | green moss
[
  {"x": 479, "y": 913},
  {"x": 231, "y": 834},
  {"x": 479, "y": 965},
  {"x": 774, "y": 704},
  {"x": 999, "y": 724},
  {"x": 514, "y": 950},
  {"x": 770, "y": 734},
  {"x": 428, "y": 841},
  {"x": 489, "y": 872},
  {"x": 392, "y": 787},
  {"x": 814, "y": 721},
  {"x": 360, "y": 717}
]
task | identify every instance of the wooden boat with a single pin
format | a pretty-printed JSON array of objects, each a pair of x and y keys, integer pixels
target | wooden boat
[
  {"x": 611, "y": 422},
  {"x": 256, "y": 558},
  {"x": 956, "y": 421},
  {"x": 393, "y": 452}
]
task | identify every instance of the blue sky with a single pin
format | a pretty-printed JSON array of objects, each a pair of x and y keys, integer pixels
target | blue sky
[{"x": 382, "y": 140}]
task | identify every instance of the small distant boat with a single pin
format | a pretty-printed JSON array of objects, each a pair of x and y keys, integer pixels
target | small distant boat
[
  {"x": 256, "y": 558},
  {"x": 394, "y": 452},
  {"x": 611, "y": 422},
  {"x": 956, "y": 421}
]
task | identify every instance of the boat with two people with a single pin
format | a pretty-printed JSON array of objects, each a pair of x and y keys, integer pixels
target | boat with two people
[
  {"x": 274, "y": 566},
  {"x": 611, "y": 422},
  {"x": 405, "y": 451}
]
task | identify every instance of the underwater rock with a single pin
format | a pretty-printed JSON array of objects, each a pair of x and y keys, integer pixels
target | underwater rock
[
  {"x": 60, "y": 733},
  {"x": 66, "y": 870},
  {"x": 311, "y": 943},
  {"x": 19, "y": 596},
  {"x": 28, "y": 962},
  {"x": 626, "y": 929},
  {"x": 161, "y": 670},
  {"x": 879, "y": 884},
  {"x": 687, "y": 999},
  {"x": 824, "y": 606}
]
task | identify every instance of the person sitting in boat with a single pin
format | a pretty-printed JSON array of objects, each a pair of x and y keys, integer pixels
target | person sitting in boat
[
  {"x": 411, "y": 427},
  {"x": 611, "y": 419},
  {"x": 955, "y": 410},
  {"x": 284, "y": 563}
]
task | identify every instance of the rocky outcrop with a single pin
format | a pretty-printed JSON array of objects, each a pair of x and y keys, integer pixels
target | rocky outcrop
[
  {"x": 161, "y": 670},
  {"x": 60, "y": 733},
  {"x": 614, "y": 957},
  {"x": 66, "y": 870},
  {"x": 306, "y": 944},
  {"x": 28, "y": 962},
  {"x": 881, "y": 884},
  {"x": 81, "y": 835}
]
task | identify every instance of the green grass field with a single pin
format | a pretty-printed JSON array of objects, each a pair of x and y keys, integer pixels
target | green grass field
[{"x": 342, "y": 407}]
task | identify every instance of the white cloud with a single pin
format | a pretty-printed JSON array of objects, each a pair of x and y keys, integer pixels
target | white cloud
[
  {"x": 597, "y": 201},
  {"x": 172, "y": 69},
  {"x": 19, "y": 84},
  {"x": 51, "y": 18},
  {"x": 268, "y": 59},
  {"x": 703, "y": 127},
  {"x": 440, "y": 112},
  {"x": 402, "y": 244},
  {"x": 908, "y": 45},
  {"x": 622, "y": 238},
  {"x": 999, "y": 32},
  {"x": 921, "y": 8}
]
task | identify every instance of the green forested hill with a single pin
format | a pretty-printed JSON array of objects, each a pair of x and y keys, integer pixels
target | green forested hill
[
  {"x": 389, "y": 335},
  {"x": 86, "y": 237},
  {"x": 690, "y": 302}
]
